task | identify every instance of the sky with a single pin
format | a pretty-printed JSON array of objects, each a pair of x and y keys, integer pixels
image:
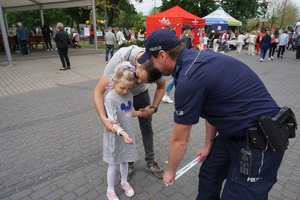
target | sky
[{"x": 148, "y": 5}]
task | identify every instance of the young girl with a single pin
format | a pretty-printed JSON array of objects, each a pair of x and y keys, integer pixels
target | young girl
[
  {"x": 205, "y": 41},
  {"x": 120, "y": 148}
]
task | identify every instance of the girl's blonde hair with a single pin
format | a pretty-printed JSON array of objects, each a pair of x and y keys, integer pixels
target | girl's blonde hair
[{"x": 123, "y": 69}]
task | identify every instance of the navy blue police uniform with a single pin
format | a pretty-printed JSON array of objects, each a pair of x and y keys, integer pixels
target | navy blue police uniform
[{"x": 231, "y": 97}]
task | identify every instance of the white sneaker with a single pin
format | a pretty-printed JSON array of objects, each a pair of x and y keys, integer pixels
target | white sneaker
[
  {"x": 269, "y": 58},
  {"x": 167, "y": 99},
  {"x": 272, "y": 58}
]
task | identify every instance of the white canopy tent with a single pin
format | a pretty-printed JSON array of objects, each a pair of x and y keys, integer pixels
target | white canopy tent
[
  {"x": 24, "y": 5},
  {"x": 219, "y": 16}
]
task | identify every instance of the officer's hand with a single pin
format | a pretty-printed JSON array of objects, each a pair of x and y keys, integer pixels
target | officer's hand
[
  {"x": 169, "y": 177},
  {"x": 203, "y": 153}
]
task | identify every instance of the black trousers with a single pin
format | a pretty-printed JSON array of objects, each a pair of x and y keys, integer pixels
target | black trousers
[
  {"x": 281, "y": 50},
  {"x": 23, "y": 44},
  {"x": 297, "y": 52},
  {"x": 48, "y": 42},
  {"x": 272, "y": 49},
  {"x": 63, "y": 54}
]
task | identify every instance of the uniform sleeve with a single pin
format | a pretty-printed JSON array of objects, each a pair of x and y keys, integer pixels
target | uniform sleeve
[
  {"x": 110, "y": 109},
  {"x": 189, "y": 102}
]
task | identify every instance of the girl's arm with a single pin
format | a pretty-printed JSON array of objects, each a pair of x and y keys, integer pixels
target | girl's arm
[
  {"x": 136, "y": 113},
  {"x": 121, "y": 132}
]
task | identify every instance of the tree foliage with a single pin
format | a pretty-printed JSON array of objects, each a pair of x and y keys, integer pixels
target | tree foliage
[
  {"x": 200, "y": 8},
  {"x": 122, "y": 12},
  {"x": 278, "y": 15},
  {"x": 239, "y": 9}
]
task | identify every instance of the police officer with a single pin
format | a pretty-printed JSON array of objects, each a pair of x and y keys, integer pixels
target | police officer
[{"x": 231, "y": 98}]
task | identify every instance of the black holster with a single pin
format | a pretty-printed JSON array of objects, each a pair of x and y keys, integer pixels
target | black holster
[{"x": 279, "y": 129}]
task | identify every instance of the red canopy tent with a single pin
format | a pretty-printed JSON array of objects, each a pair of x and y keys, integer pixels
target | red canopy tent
[{"x": 177, "y": 15}]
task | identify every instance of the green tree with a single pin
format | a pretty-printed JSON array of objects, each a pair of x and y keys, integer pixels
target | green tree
[
  {"x": 67, "y": 16},
  {"x": 240, "y": 9},
  {"x": 200, "y": 8},
  {"x": 118, "y": 12}
]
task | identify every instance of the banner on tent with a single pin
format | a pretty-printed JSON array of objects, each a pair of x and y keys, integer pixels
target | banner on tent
[{"x": 220, "y": 27}]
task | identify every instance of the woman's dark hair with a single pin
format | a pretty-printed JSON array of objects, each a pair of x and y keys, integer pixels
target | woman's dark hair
[
  {"x": 276, "y": 33},
  {"x": 153, "y": 74}
]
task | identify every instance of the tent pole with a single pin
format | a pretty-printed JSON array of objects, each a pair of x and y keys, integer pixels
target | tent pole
[
  {"x": 6, "y": 24},
  {"x": 5, "y": 39},
  {"x": 95, "y": 26},
  {"x": 42, "y": 15}
]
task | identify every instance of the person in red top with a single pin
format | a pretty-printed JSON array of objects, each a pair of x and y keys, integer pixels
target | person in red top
[
  {"x": 259, "y": 37},
  {"x": 196, "y": 40},
  {"x": 91, "y": 29}
]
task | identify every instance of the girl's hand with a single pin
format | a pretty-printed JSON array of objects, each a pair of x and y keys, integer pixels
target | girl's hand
[{"x": 126, "y": 137}]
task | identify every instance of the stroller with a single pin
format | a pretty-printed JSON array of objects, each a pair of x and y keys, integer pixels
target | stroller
[{"x": 75, "y": 41}]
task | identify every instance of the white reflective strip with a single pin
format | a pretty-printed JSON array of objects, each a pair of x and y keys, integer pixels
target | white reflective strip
[{"x": 262, "y": 158}]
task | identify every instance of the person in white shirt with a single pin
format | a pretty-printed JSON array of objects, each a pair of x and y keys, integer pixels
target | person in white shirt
[
  {"x": 283, "y": 42},
  {"x": 251, "y": 39},
  {"x": 120, "y": 38},
  {"x": 240, "y": 42}
]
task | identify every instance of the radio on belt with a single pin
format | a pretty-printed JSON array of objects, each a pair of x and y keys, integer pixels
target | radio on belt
[{"x": 245, "y": 162}]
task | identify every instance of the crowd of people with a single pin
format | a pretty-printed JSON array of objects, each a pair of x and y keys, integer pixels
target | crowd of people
[{"x": 257, "y": 42}]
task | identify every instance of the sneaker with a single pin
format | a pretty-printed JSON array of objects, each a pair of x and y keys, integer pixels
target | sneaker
[
  {"x": 269, "y": 58},
  {"x": 272, "y": 58},
  {"x": 111, "y": 195},
  {"x": 106, "y": 62},
  {"x": 48, "y": 49},
  {"x": 281, "y": 56},
  {"x": 261, "y": 60},
  {"x": 167, "y": 99},
  {"x": 51, "y": 49},
  {"x": 222, "y": 52},
  {"x": 128, "y": 189},
  {"x": 155, "y": 169}
]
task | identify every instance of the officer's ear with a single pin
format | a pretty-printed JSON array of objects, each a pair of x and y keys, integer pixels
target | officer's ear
[{"x": 162, "y": 54}]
